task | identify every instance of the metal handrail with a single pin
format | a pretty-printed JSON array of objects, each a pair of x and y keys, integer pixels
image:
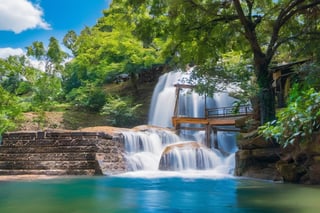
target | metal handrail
[{"x": 228, "y": 111}]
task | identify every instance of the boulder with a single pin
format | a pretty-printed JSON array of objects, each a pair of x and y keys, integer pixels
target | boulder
[
  {"x": 257, "y": 157},
  {"x": 186, "y": 155},
  {"x": 253, "y": 140}
]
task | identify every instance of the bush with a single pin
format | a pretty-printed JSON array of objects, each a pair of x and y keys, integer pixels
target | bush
[
  {"x": 10, "y": 111},
  {"x": 298, "y": 120},
  {"x": 120, "y": 111},
  {"x": 88, "y": 97}
]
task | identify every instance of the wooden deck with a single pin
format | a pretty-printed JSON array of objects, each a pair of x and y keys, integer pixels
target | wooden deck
[
  {"x": 177, "y": 121},
  {"x": 224, "y": 116},
  {"x": 215, "y": 118}
]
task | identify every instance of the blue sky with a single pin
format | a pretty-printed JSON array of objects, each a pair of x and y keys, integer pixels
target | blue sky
[{"x": 25, "y": 21}]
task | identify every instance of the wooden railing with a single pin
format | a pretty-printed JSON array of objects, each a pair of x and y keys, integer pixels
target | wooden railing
[{"x": 229, "y": 111}]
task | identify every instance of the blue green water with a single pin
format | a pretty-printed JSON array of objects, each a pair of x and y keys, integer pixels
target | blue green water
[{"x": 156, "y": 194}]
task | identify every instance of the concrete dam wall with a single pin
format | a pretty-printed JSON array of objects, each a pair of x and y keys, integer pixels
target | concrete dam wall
[{"x": 61, "y": 153}]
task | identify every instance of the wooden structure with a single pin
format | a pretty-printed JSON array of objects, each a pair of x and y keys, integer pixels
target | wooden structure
[
  {"x": 213, "y": 121},
  {"x": 281, "y": 75}
]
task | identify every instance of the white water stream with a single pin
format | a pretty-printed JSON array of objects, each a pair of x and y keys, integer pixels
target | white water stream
[{"x": 145, "y": 148}]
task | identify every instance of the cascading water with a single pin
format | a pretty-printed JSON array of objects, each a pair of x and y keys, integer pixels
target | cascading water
[
  {"x": 144, "y": 148},
  {"x": 148, "y": 150}
]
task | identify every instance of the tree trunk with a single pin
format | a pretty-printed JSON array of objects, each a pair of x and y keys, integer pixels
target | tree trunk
[
  {"x": 134, "y": 82},
  {"x": 266, "y": 93},
  {"x": 261, "y": 62}
]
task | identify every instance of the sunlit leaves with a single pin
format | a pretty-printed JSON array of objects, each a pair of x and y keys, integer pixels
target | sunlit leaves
[
  {"x": 10, "y": 111},
  {"x": 297, "y": 121},
  {"x": 111, "y": 47},
  {"x": 52, "y": 56},
  {"x": 120, "y": 111},
  {"x": 69, "y": 41}
]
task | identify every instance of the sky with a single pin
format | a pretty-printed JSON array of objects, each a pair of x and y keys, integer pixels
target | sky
[{"x": 25, "y": 21}]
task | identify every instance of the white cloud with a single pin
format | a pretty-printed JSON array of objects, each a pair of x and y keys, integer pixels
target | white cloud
[
  {"x": 20, "y": 15},
  {"x": 40, "y": 65},
  {"x": 6, "y": 52}
]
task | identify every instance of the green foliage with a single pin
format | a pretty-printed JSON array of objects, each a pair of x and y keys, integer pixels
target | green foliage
[
  {"x": 108, "y": 49},
  {"x": 297, "y": 121},
  {"x": 69, "y": 41},
  {"x": 40, "y": 119},
  {"x": 46, "y": 90},
  {"x": 10, "y": 111},
  {"x": 204, "y": 33},
  {"x": 89, "y": 97},
  {"x": 16, "y": 75},
  {"x": 308, "y": 75},
  {"x": 120, "y": 111},
  {"x": 24, "y": 88},
  {"x": 52, "y": 56}
]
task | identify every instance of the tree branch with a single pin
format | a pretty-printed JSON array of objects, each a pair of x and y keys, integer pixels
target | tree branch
[
  {"x": 249, "y": 29},
  {"x": 284, "y": 16},
  {"x": 197, "y": 5},
  {"x": 225, "y": 19}
]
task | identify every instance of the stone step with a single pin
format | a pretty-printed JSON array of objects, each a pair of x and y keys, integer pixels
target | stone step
[
  {"x": 47, "y": 156},
  {"x": 47, "y": 149},
  {"x": 59, "y": 142},
  {"x": 12, "y": 137},
  {"x": 53, "y": 172},
  {"x": 47, "y": 165},
  {"x": 51, "y": 142}
]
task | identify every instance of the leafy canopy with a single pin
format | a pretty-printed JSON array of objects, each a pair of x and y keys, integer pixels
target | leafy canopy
[{"x": 203, "y": 32}]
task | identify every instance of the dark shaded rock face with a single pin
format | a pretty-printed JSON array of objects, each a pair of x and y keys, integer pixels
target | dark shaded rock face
[
  {"x": 257, "y": 158},
  {"x": 61, "y": 153},
  {"x": 298, "y": 163}
]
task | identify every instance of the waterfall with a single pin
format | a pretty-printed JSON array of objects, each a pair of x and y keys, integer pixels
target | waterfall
[
  {"x": 190, "y": 104},
  {"x": 144, "y": 148},
  {"x": 187, "y": 157},
  {"x": 159, "y": 148},
  {"x": 164, "y": 92}
]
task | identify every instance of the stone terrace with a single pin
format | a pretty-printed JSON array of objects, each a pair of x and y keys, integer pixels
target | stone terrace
[{"x": 61, "y": 153}]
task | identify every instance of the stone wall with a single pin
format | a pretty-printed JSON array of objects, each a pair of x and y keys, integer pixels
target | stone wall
[
  {"x": 300, "y": 162},
  {"x": 61, "y": 153},
  {"x": 297, "y": 163},
  {"x": 257, "y": 157}
]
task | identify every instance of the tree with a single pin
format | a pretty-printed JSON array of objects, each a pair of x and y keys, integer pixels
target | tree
[
  {"x": 107, "y": 50},
  {"x": 10, "y": 111},
  {"x": 298, "y": 121},
  {"x": 121, "y": 111},
  {"x": 69, "y": 41},
  {"x": 201, "y": 32},
  {"x": 52, "y": 56},
  {"x": 47, "y": 86},
  {"x": 17, "y": 74}
]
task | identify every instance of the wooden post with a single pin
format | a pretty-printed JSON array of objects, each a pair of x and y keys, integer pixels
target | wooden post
[
  {"x": 176, "y": 105},
  {"x": 215, "y": 140},
  {"x": 208, "y": 135}
]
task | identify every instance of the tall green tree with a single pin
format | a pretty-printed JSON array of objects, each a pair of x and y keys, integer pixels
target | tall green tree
[
  {"x": 47, "y": 86},
  {"x": 108, "y": 49},
  {"x": 17, "y": 74},
  {"x": 69, "y": 41},
  {"x": 10, "y": 111},
  {"x": 52, "y": 56},
  {"x": 202, "y": 32}
]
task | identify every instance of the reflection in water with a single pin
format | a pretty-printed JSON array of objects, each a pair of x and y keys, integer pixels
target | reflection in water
[
  {"x": 156, "y": 194},
  {"x": 271, "y": 197}
]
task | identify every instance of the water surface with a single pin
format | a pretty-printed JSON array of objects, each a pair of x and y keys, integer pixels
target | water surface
[{"x": 168, "y": 193}]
